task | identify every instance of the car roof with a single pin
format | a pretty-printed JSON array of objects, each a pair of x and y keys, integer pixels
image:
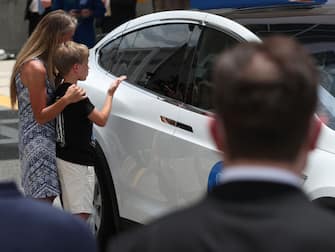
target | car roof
[
  {"x": 326, "y": 10},
  {"x": 171, "y": 16}
]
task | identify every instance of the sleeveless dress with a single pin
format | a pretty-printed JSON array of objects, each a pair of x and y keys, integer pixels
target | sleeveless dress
[{"x": 37, "y": 147}]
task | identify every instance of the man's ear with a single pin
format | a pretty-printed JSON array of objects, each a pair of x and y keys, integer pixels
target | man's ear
[
  {"x": 215, "y": 129},
  {"x": 314, "y": 132}
]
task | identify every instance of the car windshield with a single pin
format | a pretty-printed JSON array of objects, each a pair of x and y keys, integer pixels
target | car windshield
[{"x": 319, "y": 40}]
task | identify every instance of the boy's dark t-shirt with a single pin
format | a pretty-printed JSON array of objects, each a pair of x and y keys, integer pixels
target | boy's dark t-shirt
[{"x": 74, "y": 131}]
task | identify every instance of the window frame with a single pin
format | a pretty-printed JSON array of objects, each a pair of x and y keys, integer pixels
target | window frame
[
  {"x": 203, "y": 27},
  {"x": 136, "y": 29}
]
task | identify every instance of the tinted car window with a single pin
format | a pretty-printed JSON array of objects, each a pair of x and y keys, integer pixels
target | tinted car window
[
  {"x": 127, "y": 58},
  {"x": 154, "y": 57},
  {"x": 211, "y": 44},
  {"x": 319, "y": 40},
  {"x": 107, "y": 54},
  {"x": 326, "y": 108}
]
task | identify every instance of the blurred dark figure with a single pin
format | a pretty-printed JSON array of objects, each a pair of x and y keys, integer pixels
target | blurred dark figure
[
  {"x": 161, "y": 5},
  {"x": 35, "y": 11},
  {"x": 31, "y": 225},
  {"x": 119, "y": 12},
  {"x": 264, "y": 126},
  {"x": 85, "y": 11}
]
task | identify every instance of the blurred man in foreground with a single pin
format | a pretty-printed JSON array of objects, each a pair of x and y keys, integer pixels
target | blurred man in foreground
[
  {"x": 265, "y": 97},
  {"x": 31, "y": 225}
]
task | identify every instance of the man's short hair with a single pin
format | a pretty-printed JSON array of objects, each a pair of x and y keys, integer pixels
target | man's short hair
[{"x": 265, "y": 95}]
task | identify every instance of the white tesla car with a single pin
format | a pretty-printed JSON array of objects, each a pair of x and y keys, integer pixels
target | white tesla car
[{"x": 155, "y": 154}]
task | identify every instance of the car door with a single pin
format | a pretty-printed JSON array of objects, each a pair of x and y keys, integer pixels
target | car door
[
  {"x": 153, "y": 59},
  {"x": 150, "y": 128},
  {"x": 153, "y": 56},
  {"x": 197, "y": 158}
]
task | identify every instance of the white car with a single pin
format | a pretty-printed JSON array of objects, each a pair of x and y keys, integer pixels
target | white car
[{"x": 155, "y": 154}]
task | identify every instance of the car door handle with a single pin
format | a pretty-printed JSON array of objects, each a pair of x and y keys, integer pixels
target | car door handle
[{"x": 176, "y": 124}]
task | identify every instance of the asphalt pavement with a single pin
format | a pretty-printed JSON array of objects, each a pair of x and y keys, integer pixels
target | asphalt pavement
[
  {"x": 6, "y": 67},
  {"x": 9, "y": 163}
]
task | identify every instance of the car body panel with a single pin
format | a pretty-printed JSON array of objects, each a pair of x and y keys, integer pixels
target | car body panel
[
  {"x": 155, "y": 167},
  {"x": 231, "y": 27},
  {"x": 320, "y": 175},
  {"x": 159, "y": 150},
  {"x": 320, "y": 166}
]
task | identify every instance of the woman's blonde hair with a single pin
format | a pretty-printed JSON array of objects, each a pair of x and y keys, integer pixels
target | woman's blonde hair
[
  {"x": 68, "y": 54},
  {"x": 43, "y": 43}
]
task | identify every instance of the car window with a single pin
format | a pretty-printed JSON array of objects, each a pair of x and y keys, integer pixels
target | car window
[
  {"x": 326, "y": 108},
  {"x": 107, "y": 54},
  {"x": 154, "y": 58},
  {"x": 211, "y": 43},
  {"x": 319, "y": 40},
  {"x": 127, "y": 57}
]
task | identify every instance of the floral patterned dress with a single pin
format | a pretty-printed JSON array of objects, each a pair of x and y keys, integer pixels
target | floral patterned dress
[{"x": 37, "y": 147}]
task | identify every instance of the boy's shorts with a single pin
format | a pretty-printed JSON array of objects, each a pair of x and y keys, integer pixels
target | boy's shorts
[{"x": 77, "y": 185}]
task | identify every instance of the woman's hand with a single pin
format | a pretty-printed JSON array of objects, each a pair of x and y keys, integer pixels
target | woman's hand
[
  {"x": 115, "y": 84},
  {"x": 74, "y": 94}
]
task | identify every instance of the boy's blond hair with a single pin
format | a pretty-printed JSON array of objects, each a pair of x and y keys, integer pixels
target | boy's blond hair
[{"x": 67, "y": 55}]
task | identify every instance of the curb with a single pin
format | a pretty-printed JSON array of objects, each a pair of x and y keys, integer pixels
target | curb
[{"x": 5, "y": 102}]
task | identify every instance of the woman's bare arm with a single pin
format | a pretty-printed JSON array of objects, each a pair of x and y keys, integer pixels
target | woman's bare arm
[{"x": 33, "y": 75}]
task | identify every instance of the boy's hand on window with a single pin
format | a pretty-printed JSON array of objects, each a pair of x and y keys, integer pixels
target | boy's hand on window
[{"x": 115, "y": 84}]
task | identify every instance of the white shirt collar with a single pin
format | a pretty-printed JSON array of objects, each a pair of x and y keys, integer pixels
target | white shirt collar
[{"x": 259, "y": 173}]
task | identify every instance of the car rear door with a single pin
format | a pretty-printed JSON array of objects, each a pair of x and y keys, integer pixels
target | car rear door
[
  {"x": 153, "y": 53},
  {"x": 159, "y": 150},
  {"x": 179, "y": 165},
  {"x": 196, "y": 157}
]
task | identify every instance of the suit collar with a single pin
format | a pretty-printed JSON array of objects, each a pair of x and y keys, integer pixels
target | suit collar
[
  {"x": 253, "y": 190},
  {"x": 259, "y": 173}
]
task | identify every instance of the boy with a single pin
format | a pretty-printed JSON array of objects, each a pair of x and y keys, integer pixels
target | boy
[{"x": 75, "y": 147}]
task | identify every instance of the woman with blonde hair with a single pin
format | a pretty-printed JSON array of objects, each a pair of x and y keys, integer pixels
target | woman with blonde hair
[{"x": 32, "y": 86}]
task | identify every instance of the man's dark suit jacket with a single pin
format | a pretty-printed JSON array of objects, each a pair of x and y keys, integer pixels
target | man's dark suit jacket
[
  {"x": 27, "y": 13},
  {"x": 122, "y": 11},
  {"x": 33, "y": 18},
  {"x": 239, "y": 217},
  {"x": 31, "y": 225}
]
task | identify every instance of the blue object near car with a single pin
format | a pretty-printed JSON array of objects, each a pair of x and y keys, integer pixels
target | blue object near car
[{"x": 214, "y": 176}]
